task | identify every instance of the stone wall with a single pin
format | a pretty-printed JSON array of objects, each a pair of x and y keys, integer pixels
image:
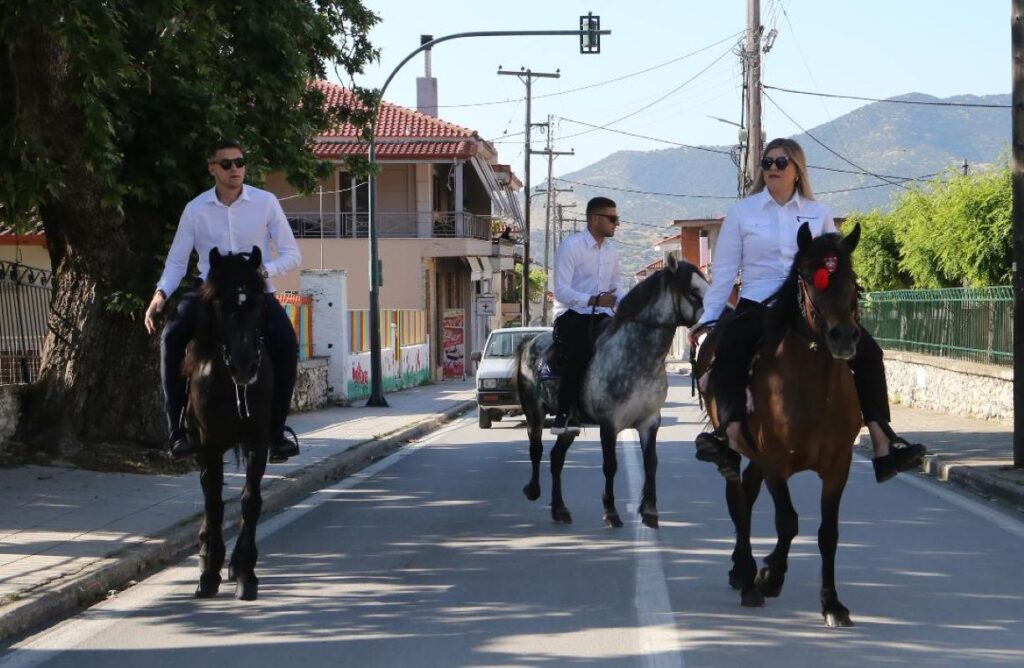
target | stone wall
[
  {"x": 310, "y": 385},
  {"x": 950, "y": 386}
]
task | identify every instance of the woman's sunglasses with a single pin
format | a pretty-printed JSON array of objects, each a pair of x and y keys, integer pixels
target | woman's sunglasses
[
  {"x": 780, "y": 162},
  {"x": 226, "y": 163}
]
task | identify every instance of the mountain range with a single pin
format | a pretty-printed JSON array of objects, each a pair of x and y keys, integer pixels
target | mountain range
[{"x": 890, "y": 140}]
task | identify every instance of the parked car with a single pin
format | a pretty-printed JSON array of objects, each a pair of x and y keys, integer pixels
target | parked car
[{"x": 495, "y": 392}]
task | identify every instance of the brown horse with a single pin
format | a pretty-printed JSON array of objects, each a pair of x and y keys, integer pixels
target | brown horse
[{"x": 805, "y": 413}]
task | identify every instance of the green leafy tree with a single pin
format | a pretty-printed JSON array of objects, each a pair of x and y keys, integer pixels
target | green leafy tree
[
  {"x": 106, "y": 113},
  {"x": 877, "y": 257},
  {"x": 958, "y": 232}
]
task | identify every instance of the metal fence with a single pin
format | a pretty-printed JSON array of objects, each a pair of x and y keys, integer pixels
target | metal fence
[
  {"x": 973, "y": 324},
  {"x": 25, "y": 294},
  {"x": 314, "y": 225}
]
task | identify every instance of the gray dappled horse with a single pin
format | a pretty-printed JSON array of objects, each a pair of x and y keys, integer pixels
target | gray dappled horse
[{"x": 624, "y": 386}]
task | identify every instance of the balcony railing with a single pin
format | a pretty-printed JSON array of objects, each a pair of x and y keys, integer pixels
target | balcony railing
[{"x": 444, "y": 225}]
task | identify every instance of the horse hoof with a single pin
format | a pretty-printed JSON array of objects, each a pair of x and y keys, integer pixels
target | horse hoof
[
  {"x": 751, "y": 598},
  {"x": 839, "y": 619},
  {"x": 532, "y": 491},
  {"x": 246, "y": 588},
  {"x": 768, "y": 584},
  {"x": 561, "y": 515},
  {"x": 208, "y": 586},
  {"x": 649, "y": 520},
  {"x": 735, "y": 581},
  {"x": 612, "y": 520}
]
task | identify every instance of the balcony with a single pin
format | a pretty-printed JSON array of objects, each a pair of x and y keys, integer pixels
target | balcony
[{"x": 405, "y": 225}]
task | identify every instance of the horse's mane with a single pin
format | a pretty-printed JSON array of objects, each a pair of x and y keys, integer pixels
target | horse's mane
[
  {"x": 784, "y": 307},
  {"x": 225, "y": 278}
]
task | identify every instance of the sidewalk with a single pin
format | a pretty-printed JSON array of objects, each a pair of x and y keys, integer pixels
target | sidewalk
[
  {"x": 976, "y": 455},
  {"x": 69, "y": 536}
]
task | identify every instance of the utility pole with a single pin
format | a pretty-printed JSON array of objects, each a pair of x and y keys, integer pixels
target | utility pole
[
  {"x": 752, "y": 59},
  {"x": 589, "y": 34},
  {"x": 527, "y": 76},
  {"x": 561, "y": 217},
  {"x": 1017, "y": 53},
  {"x": 550, "y": 191}
]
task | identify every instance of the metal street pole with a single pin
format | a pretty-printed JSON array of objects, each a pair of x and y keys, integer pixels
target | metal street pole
[
  {"x": 753, "y": 54},
  {"x": 1017, "y": 48},
  {"x": 590, "y": 42}
]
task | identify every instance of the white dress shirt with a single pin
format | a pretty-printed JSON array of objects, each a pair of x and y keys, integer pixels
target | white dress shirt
[
  {"x": 758, "y": 238},
  {"x": 254, "y": 219},
  {"x": 584, "y": 269}
]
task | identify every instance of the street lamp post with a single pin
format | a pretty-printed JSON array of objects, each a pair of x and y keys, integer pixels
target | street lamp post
[{"x": 590, "y": 42}]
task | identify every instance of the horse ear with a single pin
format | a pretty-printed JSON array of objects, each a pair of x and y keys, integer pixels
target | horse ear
[
  {"x": 214, "y": 256},
  {"x": 256, "y": 257},
  {"x": 851, "y": 240},
  {"x": 672, "y": 263},
  {"x": 803, "y": 237}
]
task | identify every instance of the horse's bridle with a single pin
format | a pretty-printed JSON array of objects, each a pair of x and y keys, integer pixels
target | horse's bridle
[{"x": 678, "y": 313}]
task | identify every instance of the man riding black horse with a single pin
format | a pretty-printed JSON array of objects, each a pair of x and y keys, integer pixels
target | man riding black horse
[{"x": 232, "y": 217}]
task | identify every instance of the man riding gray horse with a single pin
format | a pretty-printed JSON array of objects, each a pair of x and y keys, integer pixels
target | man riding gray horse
[{"x": 586, "y": 290}]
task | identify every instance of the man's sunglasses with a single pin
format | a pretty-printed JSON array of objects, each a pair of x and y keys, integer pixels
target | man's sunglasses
[
  {"x": 614, "y": 220},
  {"x": 226, "y": 163},
  {"x": 780, "y": 162}
]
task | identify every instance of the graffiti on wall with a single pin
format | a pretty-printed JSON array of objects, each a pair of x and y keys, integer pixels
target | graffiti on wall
[{"x": 453, "y": 348}]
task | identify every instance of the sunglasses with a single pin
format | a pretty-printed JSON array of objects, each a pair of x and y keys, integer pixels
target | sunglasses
[
  {"x": 226, "y": 163},
  {"x": 614, "y": 220},
  {"x": 780, "y": 162}
]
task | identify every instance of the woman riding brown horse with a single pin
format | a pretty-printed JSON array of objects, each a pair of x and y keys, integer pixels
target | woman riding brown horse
[{"x": 805, "y": 412}]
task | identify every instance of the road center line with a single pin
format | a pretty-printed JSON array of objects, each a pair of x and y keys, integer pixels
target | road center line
[{"x": 659, "y": 638}]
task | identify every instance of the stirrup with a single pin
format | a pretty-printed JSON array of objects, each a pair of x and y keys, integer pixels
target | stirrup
[{"x": 283, "y": 447}]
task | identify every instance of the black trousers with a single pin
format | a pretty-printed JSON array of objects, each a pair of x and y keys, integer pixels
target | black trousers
[
  {"x": 731, "y": 371},
  {"x": 574, "y": 335},
  {"x": 282, "y": 345}
]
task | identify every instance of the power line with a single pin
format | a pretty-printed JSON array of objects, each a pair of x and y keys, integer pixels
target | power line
[
  {"x": 829, "y": 149},
  {"x": 663, "y": 97},
  {"x": 722, "y": 152},
  {"x": 644, "y": 192},
  {"x": 890, "y": 100},
  {"x": 640, "y": 136},
  {"x": 599, "y": 83}
]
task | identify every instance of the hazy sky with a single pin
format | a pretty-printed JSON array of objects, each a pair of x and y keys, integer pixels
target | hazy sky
[{"x": 871, "y": 48}]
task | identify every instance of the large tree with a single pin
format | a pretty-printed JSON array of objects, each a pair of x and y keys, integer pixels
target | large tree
[{"x": 106, "y": 111}]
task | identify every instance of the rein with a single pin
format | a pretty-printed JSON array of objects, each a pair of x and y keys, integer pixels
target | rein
[{"x": 242, "y": 390}]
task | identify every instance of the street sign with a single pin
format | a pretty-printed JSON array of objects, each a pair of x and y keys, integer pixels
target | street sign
[{"x": 486, "y": 305}]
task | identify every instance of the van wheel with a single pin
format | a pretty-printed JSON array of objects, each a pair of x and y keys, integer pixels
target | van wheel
[{"x": 484, "y": 418}]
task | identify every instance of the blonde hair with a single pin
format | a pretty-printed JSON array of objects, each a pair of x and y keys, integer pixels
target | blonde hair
[{"x": 799, "y": 160}]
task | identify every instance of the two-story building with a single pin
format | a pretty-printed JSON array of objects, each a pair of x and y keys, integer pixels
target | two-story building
[{"x": 443, "y": 204}]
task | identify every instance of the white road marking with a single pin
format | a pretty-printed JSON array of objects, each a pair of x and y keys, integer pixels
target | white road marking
[
  {"x": 1000, "y": 519},
  {"x": 72, "y": 632},
  {"x": 659, "y": 639}
]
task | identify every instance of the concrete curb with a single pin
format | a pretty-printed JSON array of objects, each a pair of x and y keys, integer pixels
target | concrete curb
[
  {"x": 979, "y": 482},
  {"x": 122, "y": 569}
]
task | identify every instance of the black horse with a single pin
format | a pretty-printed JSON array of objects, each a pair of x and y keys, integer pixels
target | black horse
[
  {"x": 624, "y": 386},
  {"x": 229, "y": 398}
]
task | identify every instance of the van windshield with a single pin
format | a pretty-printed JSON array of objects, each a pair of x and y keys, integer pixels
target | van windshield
[{"x": 504, "y": 344}]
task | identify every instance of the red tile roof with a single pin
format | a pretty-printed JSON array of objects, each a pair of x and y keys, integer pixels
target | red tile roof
[
  {"x": 35, "y": 237},
  {"x": 397, "y": 132}
]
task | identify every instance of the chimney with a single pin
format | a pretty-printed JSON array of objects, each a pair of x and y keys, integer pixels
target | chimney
[{"x": 426, "y": 85}]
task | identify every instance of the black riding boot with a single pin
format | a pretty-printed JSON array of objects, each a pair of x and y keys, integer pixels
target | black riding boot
[
  {"x": 713, "y": 446},
  {"x": 903, "y": 456}
]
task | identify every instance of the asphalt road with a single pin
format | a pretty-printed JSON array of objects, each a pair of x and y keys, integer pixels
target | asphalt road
[{"x": 433, "y": 557}]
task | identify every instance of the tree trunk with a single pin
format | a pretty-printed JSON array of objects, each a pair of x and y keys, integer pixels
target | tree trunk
[{"x": 99, "y": 379}]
